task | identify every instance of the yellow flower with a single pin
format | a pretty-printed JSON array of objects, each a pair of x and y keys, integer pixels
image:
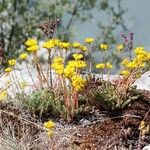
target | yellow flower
[
  {"x": 125, "y": 62},
  {"x": 31, "y": 42},
  {"x": 22, "y": 85},
  {"x": 80, "y": 64},
  {"x": 58, "y": 65},
  {"x": 49, "y": 44},
  {"x": 141, "y": 65},
  {"x": 69, "y": 71},
  {"x": 58, "y": 60},
  {"x": 50, "y": 133},
  {"x": 49, "y": 124},
  {"x": 77, "y": 56},
  {"x": 12, "y": 62},
  {"x": 7, "y": 82},
  {"x": 78, "y": 82},
  {"x": 71, "y": 63},
  {"x": 59, "y": 68},
  {"x": 142, "y": 125},
  {"x": 8, "y": 69},
  {"x": 55, "y": 42},
  {"x": 103, "y": 46},
  {"x": 100, "y": 66},
  {"x": 83, "y": 48},
  {"x": 33, "y": 48},
  {"x": 64, "y": 45},
  {"x": 125, "y": 73},
  {"x": 148, "y": 56},
  {"x": 120, "y": 47},
  {"x": 139, "y": 50},
  {"x": 132, "y": 65},
  {"x": 89, "y": 40},
  {"x": 138, "y": 75},
  {"x": 23, "y": 56},
  {"x": 76, "y": 45},
  {"x": 3, "y": 95},
  {"x": 140, "y": 58},
  {"x": 108, "y": 65}
]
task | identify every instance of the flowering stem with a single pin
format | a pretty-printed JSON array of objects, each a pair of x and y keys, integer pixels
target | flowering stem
[
  {"x": 30, "y": 74},
  {"x": 75, "y": 100},
  {"x": 66, "y": 97},
  {"x": 50, "y": 68},
  {"x": 90, "y": 60},
  {"x": 108, "y": 73},
  {"x": 39, "y": 69}
]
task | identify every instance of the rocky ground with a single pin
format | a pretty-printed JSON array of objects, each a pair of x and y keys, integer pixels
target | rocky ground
[{"x": 96, "y": 130}]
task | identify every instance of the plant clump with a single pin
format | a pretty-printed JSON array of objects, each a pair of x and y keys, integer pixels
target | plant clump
[{"x": 59, "y": 88}]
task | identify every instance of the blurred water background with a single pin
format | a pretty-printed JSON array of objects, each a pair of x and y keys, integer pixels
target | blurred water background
[{"x": 137, "y": 19}]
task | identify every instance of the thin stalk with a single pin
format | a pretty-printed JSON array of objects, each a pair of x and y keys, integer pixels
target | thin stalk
[
  {"x": 75, "y": 100},
  {"x": 90, "y": 60},
  {"x": 108, "y": 74},
  {"x": 30, "y": 75},
  {"x": 50, "y": 68},
  {"x": 13, "y": 77},
  {"x": 38, "y": 71}
]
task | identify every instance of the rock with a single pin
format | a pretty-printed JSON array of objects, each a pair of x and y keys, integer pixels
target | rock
[
  {"x": 143, "y": 83},
  {"x": 146, "y": 147}
]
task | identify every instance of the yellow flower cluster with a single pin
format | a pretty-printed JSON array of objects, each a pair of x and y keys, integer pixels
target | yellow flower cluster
[
  {"x": 22, "y": 85},
  {"x": 125, "y": 62},
  {"x": 7, "y": 82},
  {"x": 3, "y": 95},
  {"x": 49, "y": 125},
  {"x": 23, "y": 56},
  {"x": 78, "y": 82},
  {"x": 125, "y": 73},
  {"x": 33, "y": 48},
  {"x": 141, "y": 54},
  {"x": 78, "y": 64},
  {"x": 12, "y": 62},
  {"x": 65, "y": 45},
  {"x": 89, "y": 40},
  {"x": 76, "y": 45},
  {"x": 31, "y": 42},
  {"x": 83, "y": 48},
  {"x": 144, "y": 128},
  {"x": 104, "y": 47},
  {"x": 58, "y": 65},
  {"x": 102, "y": 65},
  {"x": 71, "y": 70},
  {"x": 8, "y": 69},
  {"x": 49, "y": 44},
  {"x": 55, "y": 42},
  {"x": 120, "y": 47},
  {"x": 77, "y": 56},
  {"x": 73, "y": 65},
  {"x": 31, "y": 45},
  {"x": 108, "y": 65},
  {"x": 139, "y": 50},
  {"x": 139, "y": 61}
]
